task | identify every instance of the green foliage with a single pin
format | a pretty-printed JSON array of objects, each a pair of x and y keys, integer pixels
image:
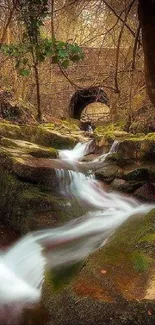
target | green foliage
[
  {"x": 33, "y": 49},
  {"x": 60, "y": 52},
  {"x": 32, "y": 13}
]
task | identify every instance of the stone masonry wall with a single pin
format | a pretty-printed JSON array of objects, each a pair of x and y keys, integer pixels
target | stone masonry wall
[
  {"x": 57, "y": 91},
  {"x": 97, "y": 69}
]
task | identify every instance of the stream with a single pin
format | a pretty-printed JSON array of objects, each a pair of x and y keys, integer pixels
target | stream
[{"x": 23, "y": 265}]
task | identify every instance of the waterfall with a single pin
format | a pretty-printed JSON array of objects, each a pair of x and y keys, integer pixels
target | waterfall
[
  {"x": 79, "y": 151},
  {"x": 22, "y": 267},
  {"x": 113, "y": 149},
  {"x": 71, "y": 182}
]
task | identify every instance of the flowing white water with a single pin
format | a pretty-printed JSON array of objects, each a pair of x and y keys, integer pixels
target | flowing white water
[
  {"x": 113, "y": 149},
  {"x": 79, "y": 151},
  {"x": 23, "y": 266}
]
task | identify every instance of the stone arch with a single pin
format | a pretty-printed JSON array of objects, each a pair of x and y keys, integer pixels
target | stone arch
[{"x": 84, "y": 97}]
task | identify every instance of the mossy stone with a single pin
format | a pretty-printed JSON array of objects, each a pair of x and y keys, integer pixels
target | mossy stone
[
  {"x": 25, "y": 206},
  {"x": 29, "y": 148},
  {"x": 111, "y": 287},
  {"x": 42, "y": 135},
  {"x": 139, "y": 174},
  {"x": 107, "y": 172}
]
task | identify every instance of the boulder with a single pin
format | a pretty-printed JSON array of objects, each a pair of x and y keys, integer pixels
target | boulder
[
  {"x": 138, "y": 174},
  {"x": 117, "y": 158},
  {"x": 129, "y": 149},
  {"x": 113, "y": 284},
  {"x": 30, "y": 195},
  {"x": 147, "y": 149},
  {"x": 27, "y": 205},
  {"x": 29, "y": 148},
  {"x": 35, "y": 171},
  {"x": 138, "y": 149},
  {"x": 52, "y": 138},
  {"x": 146, "y": 192},
  {"x": 109, "y": 171},
  {"x": 124, "y": 186},
  {"x": 44, "y": 135}
]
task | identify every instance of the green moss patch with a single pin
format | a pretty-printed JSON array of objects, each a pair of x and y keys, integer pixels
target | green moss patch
[
  {"x": 26, "y": 207},
  {"x": 127, "y": 261}
]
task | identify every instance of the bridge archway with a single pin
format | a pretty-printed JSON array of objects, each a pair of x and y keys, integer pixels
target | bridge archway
[{"x": 84, "y": 97}]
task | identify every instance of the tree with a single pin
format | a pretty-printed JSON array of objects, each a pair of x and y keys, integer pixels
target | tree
[
  {"x": 33, "y": 49},
  {"x": 146, "y": 16},
  {"x": 125, "y": 25},
  {"x": 146, "y": 12}
]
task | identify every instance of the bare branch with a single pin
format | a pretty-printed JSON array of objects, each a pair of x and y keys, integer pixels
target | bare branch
[
  {"x": 9, "y": 21},
  {"x": 121, "y": 19},
  {"x": 118, "y": 46},
  {"x": 135, "y": 47}
]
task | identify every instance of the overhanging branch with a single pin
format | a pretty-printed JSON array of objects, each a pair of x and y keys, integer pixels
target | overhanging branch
[{"x": 121, "y": 19}]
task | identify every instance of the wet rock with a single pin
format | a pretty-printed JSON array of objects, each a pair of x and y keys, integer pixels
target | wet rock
[
  {"x": 138, "y": 174},
  {"x": 43, "y": 135},
  {"x": 108, "y": 172},
  {"x": 146, "y": 192},
  {"x": 129, "y": 149},
  {"x": 35, "y": 171},
  {"x": 124, "y": 186},
  {"x": 147, "y": 150},
  {"x": 119, "y": 184},
  {"x": 26, "y": 205},
  {"x": 117, "y": 295},
  {"x": 138, "y": 149},
  {"x": 117, "y": 159},
  {"x": 103, "y": 143},
  {"x": 48, "y": 137},
  {"x": 29, "y": 148}
]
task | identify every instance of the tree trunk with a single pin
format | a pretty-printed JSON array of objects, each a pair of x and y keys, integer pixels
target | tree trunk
[
  {"x": 39, "y": 115},
  {"x": 146, "y": 13}
]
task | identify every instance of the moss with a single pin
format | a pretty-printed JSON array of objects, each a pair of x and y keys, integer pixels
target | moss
[
  {"x": 139, "y": 174},
  {"x": 126, "y": 260},
  {"x": 72, "y": 124},
  {"x": 49, "y": 125},
  {"x": 58, "y": 278},
  {"x": 11, "y": 130},
  {"x": 49, "y": 138},
  {"x": 151, "y": 136},
  {"x": 72, "y": 121},
  {"x": 29, "y": 148},
  {"x": 111, "y": 128},
  {"x": 140, "y": 262},
  {"x": 43, "y": 152},
  {"x": 42, "y": 135},
  {"x": 26, "y": 207},
  {"x": 148, "y": 238},
  {"x": 117, "y": 158},
  {"x": 106, "y": 128}
]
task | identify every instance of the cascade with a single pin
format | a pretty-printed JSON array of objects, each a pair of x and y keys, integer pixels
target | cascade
[
  {"x": 78, "y": 152},
  {"x": 22, "y": 267},
  {"x": 113, "y": 149}
]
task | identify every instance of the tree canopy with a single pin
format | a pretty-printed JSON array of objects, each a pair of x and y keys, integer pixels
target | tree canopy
[{"x": 34, "y": 30}]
